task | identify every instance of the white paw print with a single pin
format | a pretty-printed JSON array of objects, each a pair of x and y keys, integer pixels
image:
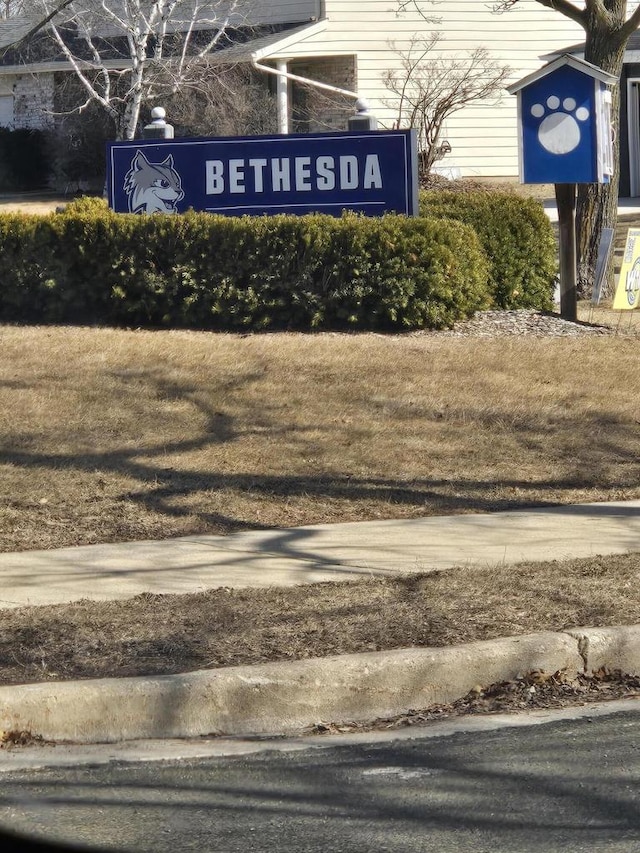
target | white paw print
[{"x": 559, "y": 132}]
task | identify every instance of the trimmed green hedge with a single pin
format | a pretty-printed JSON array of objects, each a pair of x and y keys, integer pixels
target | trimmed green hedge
[
  {"x": 88, "y": 265},
  {"x": 517, "y": 237}
]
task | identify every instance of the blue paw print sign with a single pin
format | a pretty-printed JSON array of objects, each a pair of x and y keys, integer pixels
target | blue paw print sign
[{"x": 564, "y": 115}]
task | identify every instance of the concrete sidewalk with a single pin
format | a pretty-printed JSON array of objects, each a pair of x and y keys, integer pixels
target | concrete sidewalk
[
  {"x": 283, "y": 697},
  {"x": 298, "y": 555},
  {"x": 625, "y": 206}
]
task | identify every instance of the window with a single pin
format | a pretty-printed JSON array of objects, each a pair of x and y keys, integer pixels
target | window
[{"x": 6, "y": 110}]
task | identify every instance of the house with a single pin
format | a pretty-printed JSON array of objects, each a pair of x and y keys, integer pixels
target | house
[
  {"x": 630, "y": 119},
  {"x": 341, "y": 49}
]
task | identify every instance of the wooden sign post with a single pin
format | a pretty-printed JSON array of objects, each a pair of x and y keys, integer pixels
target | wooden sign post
[{"x": 566, "y": 204}]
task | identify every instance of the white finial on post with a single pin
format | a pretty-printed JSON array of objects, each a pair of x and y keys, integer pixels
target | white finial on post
[
  {"x": 362, "y": 120},
  {"x": 158, "y": 129}
]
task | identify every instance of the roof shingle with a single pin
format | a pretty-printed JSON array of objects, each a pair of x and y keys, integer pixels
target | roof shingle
[{"x": 14, "y": 29}]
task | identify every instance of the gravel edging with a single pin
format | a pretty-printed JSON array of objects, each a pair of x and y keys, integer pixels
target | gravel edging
[{"x": 517, "y": 322}]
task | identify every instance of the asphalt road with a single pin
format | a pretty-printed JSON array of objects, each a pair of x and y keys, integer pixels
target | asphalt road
[{"x": 572, "y": 785}]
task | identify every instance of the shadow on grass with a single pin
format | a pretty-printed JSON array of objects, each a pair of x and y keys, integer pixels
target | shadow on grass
[{"x": 584, "y": 462}]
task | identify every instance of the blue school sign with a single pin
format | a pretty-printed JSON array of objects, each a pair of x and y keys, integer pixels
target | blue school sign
[{"x": 371, "y": 172}]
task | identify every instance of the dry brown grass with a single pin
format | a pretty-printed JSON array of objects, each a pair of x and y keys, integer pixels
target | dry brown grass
[
  {"x": 32, "y": 203},
  {"x": 113, "y": 435},
  {"x": 624, "y": 322},
  {"x": 156, "y": 634}
]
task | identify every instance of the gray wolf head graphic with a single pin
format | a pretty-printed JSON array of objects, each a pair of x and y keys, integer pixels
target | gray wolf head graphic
[{"x": 152, "y": 187}]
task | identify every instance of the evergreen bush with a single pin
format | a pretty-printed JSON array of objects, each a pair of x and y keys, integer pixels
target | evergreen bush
[
  {"x": 517, "y": 237},
  {"x": 197, "y": 270}
]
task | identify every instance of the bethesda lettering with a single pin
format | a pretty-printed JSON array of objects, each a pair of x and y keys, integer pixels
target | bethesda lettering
[{"x": 301, "y": 174}]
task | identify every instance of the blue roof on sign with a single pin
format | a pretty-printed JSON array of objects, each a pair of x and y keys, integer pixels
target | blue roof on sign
[{"x": 566, "y": 59}]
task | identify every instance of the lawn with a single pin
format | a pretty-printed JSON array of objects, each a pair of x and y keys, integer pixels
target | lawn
[{"x": 113, "y": 435}]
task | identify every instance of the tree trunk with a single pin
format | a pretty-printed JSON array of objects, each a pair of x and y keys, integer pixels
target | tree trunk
[{"x": 598, "y": 203}]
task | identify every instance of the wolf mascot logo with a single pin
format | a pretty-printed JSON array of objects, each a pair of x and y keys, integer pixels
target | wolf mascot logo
[{"x": 152, "y": 187}]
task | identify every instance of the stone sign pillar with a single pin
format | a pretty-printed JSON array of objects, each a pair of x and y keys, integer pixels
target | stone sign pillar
[{"x": 158, "y": 129}]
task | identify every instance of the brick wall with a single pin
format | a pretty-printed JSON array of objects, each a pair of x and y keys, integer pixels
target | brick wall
[
  {"x": 32, "y": 100},
  {"x": 314, "y": 110}
]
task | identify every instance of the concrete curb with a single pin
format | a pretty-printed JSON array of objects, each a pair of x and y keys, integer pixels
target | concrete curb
[
  {"x": 286, "y": 697},
  {"x": 611, "y": 648}
]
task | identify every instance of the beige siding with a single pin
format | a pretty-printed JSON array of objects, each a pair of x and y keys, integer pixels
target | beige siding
[{"x": 483, "y": 138}]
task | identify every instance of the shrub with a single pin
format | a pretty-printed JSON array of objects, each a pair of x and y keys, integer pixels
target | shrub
[
  {"x": 86, "y": 204},
  {"x": 196, "y": 270},
  {"x": 517, "y": 237}
]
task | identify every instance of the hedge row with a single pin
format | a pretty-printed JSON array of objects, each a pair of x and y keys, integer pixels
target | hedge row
[
  {"x": 87, "y": 265},
  {"x": 517, "y": 237}
]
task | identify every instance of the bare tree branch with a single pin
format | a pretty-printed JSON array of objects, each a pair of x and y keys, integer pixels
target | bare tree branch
[
  {"x": 158, "y": 41},
  {"x": 430, "y": 87},
  {"x": 416, "y": 5},
  {"x": 563, "y": 7},
  {"x": 630, "y": 25},
  {"x": 42, "y": 23},
  {"x": 11, "y": 8}
]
